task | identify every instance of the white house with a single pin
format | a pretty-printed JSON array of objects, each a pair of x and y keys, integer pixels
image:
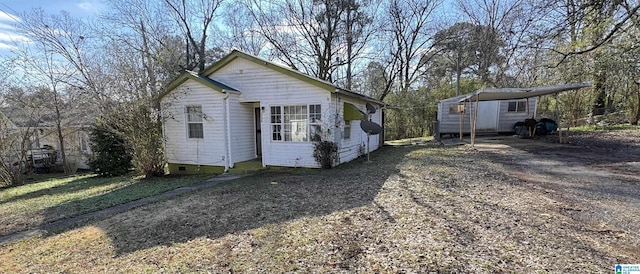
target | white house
[
  {"x": 247, "y": 108},
  {"x": 43, "y": 143}
]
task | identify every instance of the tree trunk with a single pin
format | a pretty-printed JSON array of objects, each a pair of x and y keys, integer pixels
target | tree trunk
[
  {"x": 65, "y": 166},
  {"x": 637, "y": 118},
  {"x": 349, "y": 47}
]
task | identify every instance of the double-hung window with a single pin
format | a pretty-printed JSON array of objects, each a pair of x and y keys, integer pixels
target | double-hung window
[
  {"x": 347, "y": 130},
  {"x": 296, "y": 123},
  {"x": 315, "y": 122},
  {"x": 195, "y": 129},
  {"x": 517, "y": 106}
]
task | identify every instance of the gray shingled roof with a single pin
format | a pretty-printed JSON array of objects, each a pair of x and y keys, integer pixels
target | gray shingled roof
[{"x": 22, "y": 118}]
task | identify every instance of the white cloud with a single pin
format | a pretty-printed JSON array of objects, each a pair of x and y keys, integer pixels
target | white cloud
[
  {"x": 9, "y": 36},
  {"x": 86, "y": 6},
  {"x": 91, "y": 6},
  {"x": 4, "y": 26},
  {"x": 9, "y": 18},
  {"x": 4, "y": 46}
]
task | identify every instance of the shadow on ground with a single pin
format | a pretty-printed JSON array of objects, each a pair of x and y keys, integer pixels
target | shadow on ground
[
  {"x": 251, "y": 202},
  {"x": 78, "y": 184},
  {"x": 79, "y": 196}
]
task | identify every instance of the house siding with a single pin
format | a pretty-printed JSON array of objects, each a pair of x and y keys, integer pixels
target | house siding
[
  {"x": 254, "y": 84},
  {"x": 450, "y": 122},
  {"x": 179, "y": 149},
  {"x": 351, "y": 148},
  {"x": 508, "y": 119},
  {"x": 270, "y": 88},
  {"x": 76, "y": 141},
  {"x": 243, "y": 145}
]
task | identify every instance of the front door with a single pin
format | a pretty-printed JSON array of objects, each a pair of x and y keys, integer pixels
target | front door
[{"x": 258, "y": 131}]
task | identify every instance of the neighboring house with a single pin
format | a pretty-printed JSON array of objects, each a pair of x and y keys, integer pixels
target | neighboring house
[
  {"x": 43, "y": 138},
  {"x": 493, "y": 116},
  {"x": 244, "y": 107}
]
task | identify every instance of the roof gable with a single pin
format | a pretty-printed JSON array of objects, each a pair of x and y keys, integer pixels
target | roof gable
[
  {"x": 5, "y": 121},
  {"x": 20, "y": 118},
  {"x": 262, "y": 62}
]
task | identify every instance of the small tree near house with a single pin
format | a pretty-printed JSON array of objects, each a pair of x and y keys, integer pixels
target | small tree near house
[{"x": 112, "y": 156}]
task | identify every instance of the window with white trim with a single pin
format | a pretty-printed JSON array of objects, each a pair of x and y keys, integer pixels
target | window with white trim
[
  {"x": 315, "y": 124},
  {"x": 297, "y": 123},
  {"x": 517, "y": 106},
  {"x": 347, "y": 130},
  {"x": 195, "y": 128}
]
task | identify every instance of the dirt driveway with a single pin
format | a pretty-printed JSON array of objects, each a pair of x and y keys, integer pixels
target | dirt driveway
[{"x": 594, "y": 180}]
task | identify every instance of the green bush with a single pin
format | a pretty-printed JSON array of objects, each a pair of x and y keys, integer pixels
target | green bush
[
  {"x": 325, "y": 153},
  {"x": 112, "y": 156}
]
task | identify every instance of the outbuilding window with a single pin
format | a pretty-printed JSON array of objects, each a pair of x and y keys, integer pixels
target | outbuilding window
[
  {"x": 517, "y": 106},
  {"x": 298, "y": 123},
  {"x": 195, "y": 129},
  {"x": 456, "y": 108}
]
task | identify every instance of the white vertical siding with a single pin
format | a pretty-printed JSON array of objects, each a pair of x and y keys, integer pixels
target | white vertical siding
[
  {"x": 271, "y": 88},
  {"x": 241, "y": 116},
  {"x": 180, "y": 149}
]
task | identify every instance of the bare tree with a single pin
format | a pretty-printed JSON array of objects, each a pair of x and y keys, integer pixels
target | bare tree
[
  {"x": 57, "y": 62},
  {"x": 16, "y": 137},
  {"x": 604, "y": 19},
  {"x": 242, "y": 32},
  {"x": 195, "y": 19},
  {"x": 507, "y": 22},
  {"x": 315, "y": 37},
  {"x": 146, "y": 54},
  {"x": 409, "y": 31}
]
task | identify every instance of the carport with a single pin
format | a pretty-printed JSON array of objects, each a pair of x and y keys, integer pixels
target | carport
[{"x": 493, "y": 94}]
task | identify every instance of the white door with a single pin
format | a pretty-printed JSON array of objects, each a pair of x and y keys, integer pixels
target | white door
[{"x": 488, "y": 116}]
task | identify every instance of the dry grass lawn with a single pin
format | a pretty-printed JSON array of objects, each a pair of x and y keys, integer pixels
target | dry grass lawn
[
  {"x": 51, "y": 197},
  {"x": 413, "y": 209}
]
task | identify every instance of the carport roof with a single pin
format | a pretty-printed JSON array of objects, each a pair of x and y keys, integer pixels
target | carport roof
[{"x": 491, "y": 94}]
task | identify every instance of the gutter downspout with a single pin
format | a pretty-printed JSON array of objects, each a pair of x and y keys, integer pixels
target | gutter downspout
[{"x": 227, "y": 135}]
